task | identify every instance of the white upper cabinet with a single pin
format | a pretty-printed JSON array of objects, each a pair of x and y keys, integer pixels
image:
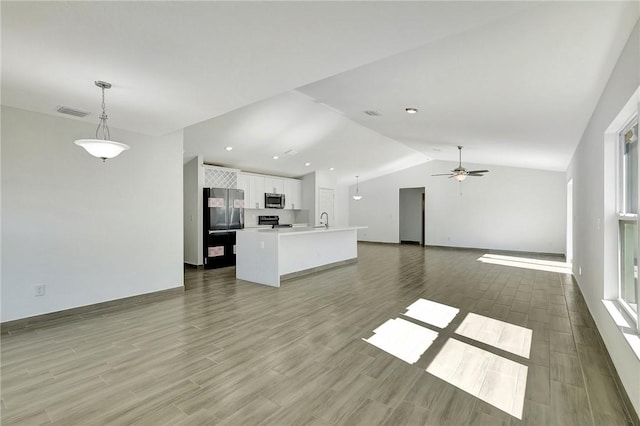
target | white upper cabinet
[
  {"x": 293, "y": 194},
  {"x": 274, "y": 185},
  {"x": 256, "y": 189},
  {"x": 243, "y": 183},
  {"x": 255, "y": 186}
]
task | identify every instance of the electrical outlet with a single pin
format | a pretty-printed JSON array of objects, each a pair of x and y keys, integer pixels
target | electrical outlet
[
  {"x": 579, "y": 270},
  {"x": 39, "y": 290}
]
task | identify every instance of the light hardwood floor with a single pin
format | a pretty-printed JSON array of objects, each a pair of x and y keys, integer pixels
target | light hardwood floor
[{"x": 235, "y": 353}]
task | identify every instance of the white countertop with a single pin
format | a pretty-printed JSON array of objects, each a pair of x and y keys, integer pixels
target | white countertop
[{"x": 303, "y": 230}]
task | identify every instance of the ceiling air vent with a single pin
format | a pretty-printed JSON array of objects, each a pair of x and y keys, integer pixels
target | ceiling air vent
[
  {"x": 70, "y": 111},
  {"x": 373, "y": 113}
]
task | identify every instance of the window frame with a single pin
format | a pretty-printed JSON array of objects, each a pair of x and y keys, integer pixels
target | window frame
[{"x": 623, "y": 216}]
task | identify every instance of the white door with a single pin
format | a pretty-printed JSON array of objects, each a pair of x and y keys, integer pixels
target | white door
[{"x": 325, "y": 204}]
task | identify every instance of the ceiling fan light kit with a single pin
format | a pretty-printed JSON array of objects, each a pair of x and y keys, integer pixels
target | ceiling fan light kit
[
  {"x": 103, "y": 148},
  {"x": 460, "y": 173}
]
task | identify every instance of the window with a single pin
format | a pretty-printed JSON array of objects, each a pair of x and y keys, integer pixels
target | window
[{"x": 628, "y": 236}]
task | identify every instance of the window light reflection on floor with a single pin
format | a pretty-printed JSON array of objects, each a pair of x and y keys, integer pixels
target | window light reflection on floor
[
  {"x": 492, "y": 378},
  {"x": 527, "y": 263},
  {"x": 402, "y": 339},
  {"x": 432, "y": 312},
  {"x": 489, "y": 377},
  {"x": 499, "y": 334}
]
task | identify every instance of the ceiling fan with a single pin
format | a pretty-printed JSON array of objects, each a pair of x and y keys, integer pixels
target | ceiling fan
[{"x": 460, "y": 173}]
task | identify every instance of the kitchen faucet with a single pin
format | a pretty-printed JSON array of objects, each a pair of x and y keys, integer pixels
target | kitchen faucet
[{"x": 326, "y": 223}]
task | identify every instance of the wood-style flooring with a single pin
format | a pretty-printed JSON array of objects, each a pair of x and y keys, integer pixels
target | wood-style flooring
[{"x": 234, "y": 353}]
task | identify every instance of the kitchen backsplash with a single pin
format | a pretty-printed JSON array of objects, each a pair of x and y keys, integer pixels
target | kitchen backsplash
[{"x": 286, "y": 216}]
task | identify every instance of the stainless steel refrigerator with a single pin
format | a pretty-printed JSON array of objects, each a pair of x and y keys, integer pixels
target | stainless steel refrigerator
[{"x": 223, "y": 215}]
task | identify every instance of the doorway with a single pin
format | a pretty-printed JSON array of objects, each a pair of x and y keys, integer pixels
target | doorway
[{"x": 411, "y": 218}]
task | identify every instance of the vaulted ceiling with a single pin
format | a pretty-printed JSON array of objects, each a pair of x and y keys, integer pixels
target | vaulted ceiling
[{"x": 514, "y": 82}]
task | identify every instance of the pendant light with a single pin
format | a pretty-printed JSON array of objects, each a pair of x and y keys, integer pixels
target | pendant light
[
  {"x": 102, "y": 148},
  {"x": 357, "y": 196}
]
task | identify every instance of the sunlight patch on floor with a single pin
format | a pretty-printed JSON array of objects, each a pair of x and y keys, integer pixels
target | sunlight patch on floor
[
  {"x": 527, "y": 263},
  {"x": 492, "y": 378},
  {"x": 502, "y": 335},
  {"x": 489, "y": 377},
  {"x": 432, "y": 312},
  {"x": 402, "y": 339}
]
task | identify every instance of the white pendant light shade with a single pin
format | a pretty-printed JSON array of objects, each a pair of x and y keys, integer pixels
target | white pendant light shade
[
  {"x": 357, "y": 196},
  {"x": 460, "y": 177},
  {"x": 101, "y": 148}
]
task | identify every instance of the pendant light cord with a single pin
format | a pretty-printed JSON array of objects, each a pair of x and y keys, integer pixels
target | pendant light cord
[{"x": 103, "y": 121}]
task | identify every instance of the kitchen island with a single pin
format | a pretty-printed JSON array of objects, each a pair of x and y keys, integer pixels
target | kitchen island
[{"x": 264, "y": 256}]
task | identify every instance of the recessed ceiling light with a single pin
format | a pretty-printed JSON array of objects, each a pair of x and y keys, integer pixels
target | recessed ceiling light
[
  {"x": 275, "y": 157},
  {"x": 229, "y": 148},
  {"x": 411, "y": 110},
  {"x": 332, "y": 168},
  {"x": 307, "y": 164}
]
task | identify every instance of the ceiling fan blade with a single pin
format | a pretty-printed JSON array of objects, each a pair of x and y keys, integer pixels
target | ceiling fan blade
[
  {"x": 443, "y": 174},
  {"x": 476, "y": 175},
  {"x": 478, "y": 171}
]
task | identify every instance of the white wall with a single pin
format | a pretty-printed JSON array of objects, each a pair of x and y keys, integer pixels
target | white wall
[
  {"x": 192, "y": 212},
  {"x": 410, "y": 220},
  {"x": 310, "y": 196},
  {"x": 508, "y": 209},
  {"x": 595, "y": 226},
  {"x": 89, "y": 231},
  {"x": 341, "y": 205}
]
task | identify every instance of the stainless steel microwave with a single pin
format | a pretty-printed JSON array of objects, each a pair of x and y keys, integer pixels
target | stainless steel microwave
[{"x": 274, "y": 201}]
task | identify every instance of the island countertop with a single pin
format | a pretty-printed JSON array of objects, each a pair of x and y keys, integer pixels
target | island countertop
[
  {"x": 303, "y": 230},
  {"x": 263, "y": 256}
]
